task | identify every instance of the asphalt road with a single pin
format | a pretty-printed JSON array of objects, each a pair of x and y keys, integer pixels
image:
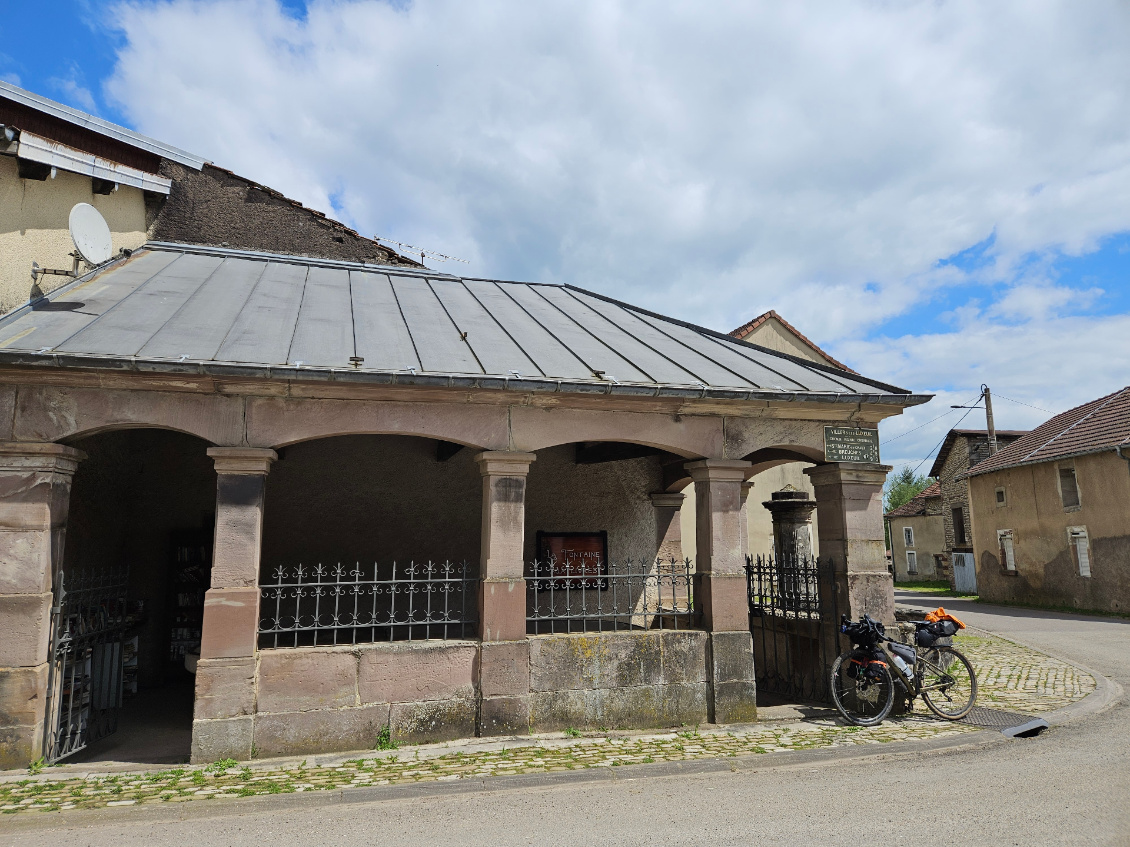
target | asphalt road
[{"x": 1070, "y": 785}]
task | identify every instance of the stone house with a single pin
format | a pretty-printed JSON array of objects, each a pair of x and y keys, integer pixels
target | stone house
[
  {"x": 918, "y": 539},
  {"x": 961, "y": 450},
  {"x": 1051, "y": 512},
  {"x": 53, "y": 157},
  {"x": 385, "y": 499}
]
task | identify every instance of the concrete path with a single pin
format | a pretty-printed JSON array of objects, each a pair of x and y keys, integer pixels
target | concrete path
[{"x": 1071, "y": 785}]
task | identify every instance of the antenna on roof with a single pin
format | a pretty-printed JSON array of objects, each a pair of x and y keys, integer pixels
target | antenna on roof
[{"x": 423, "y": 253}]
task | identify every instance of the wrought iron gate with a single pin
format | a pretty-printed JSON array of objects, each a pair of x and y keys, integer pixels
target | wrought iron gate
[
  {"x": 795, "y": 625},
  {"x": 84, "y": 690}
]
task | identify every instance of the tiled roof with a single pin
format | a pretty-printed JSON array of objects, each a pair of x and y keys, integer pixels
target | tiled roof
[
  {"x": 954, "y": 434},
  {"x": 917, "y": 505},
  {"x": 746, "y": 329},
  {"x": 179, "y": 308},
  {"x": 1102, "y": 424}
]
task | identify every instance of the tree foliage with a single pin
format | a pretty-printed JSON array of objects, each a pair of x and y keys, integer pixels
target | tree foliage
[{"x": 903, "y": 487}]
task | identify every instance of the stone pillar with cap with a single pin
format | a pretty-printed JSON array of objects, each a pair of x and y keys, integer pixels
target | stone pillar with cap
[
  {"x": 849, "y": 511},
  {"x": 504, "y": 660},
  {"x": 35, "y": 496},
  {"x": 225, "y": 676},
  {"x": 721, "y": 593},
  {"x": 792, "y": 544}
]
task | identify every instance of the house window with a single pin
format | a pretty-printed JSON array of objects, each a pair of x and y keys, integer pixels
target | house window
[
  {"x": 1008, "y": 554},
  {"x": 1080, "y": 548},
  {"x": 1068, "y": 488},
  {"x": 1000, "y": 497},
  {"x": 911, "y": 561},
  {"x": 908, "y": 536},
  {"x": 959, "y": 536}
]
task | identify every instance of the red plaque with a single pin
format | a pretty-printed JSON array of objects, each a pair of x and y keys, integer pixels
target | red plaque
[{"x": 572, "y": 560}]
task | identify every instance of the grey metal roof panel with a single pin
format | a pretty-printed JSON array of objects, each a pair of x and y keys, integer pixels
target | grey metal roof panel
[
  {"x": 209, "y": 310},
  {"x": 264, "y": 327}
]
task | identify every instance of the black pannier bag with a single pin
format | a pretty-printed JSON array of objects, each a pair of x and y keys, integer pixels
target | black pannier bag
[{"x": 928, "y": 635}]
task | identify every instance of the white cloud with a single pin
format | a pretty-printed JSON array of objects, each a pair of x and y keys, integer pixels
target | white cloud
[
  {"x": 820, "y": 159},
  {"x": 74, "y": 92}
]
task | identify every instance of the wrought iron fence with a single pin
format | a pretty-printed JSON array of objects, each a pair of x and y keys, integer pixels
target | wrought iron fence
[
  {"x": 318, "y": 605},
  {"x": 84, "y": 689},
  {"x": 793, "y": 618},
  {"x": 602, "y": 596}
]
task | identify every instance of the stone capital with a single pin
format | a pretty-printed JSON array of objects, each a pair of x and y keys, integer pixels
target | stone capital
[
  {"x": 719, "y": 470},
  {"x": 503, "y": 463},
  {"x": 243, "y": 460},
  {"x": 667, "y": 499},
  {"x": 853, "y": 473},
  {"x": 24, "y": 456}
]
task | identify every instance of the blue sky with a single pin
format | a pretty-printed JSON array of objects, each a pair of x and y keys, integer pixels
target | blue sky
[{"x": 939, "y": 194}]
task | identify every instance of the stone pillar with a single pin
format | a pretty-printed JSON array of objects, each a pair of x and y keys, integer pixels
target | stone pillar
[
  {"x": 35, "y": 496},
  {"x": 225, "y": 675},
  {"x": 504, "y": 661},
  {"x": 849, "y": 510},
  {"x": 720, "y": 593},
  {"x": 792, "y": 544},
  {"x": 668, "y": 527},
  {"x": 743, "y": 500}
]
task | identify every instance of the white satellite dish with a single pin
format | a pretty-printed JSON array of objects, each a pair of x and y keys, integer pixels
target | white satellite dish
[{"x": 91, "y": 234}]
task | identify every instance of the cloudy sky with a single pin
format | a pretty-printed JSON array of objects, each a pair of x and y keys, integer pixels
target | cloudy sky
[{"x": 936, "y": 192}]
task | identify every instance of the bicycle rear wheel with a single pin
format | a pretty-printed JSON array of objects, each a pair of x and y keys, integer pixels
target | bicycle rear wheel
[
  {"x": 949, "y": 685},
  {"x": 865, "y": 699}
]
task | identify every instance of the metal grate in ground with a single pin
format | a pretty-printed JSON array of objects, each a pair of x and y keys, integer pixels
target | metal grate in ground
[{"x": 994, "y": 718}]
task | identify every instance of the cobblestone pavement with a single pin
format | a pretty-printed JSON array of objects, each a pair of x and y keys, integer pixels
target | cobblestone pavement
[{"x": 1010, "y": 677}]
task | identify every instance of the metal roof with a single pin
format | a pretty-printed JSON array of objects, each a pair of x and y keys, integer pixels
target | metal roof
[
  {"x": 100, "y": 126},
  {"x": 183, "y": 308}
]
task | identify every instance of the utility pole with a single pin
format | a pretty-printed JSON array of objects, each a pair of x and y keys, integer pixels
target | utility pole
[{"x": 989, "y": 418}]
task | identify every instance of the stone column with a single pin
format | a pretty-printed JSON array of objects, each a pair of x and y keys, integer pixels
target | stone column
[
  {"x": 225, "y": 675},
  {"x": 720, "y": 592},
  {"x": 504, "y": 678},
  {"x": 668, "y": 527},
  {"x": 743, "y": 500},
  {"x": 35, "y": 496},
  {"x": 792, "y": 544},
  {"x": 849, "y": 509}
]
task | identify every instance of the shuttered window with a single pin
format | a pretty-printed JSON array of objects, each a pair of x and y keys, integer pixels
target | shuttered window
[
  {"x": 1008, "y": 554},
  {"x": 908, "y": 536},
  {"x": 911, "y": 561},
  {"x": 1080, "y": 548},
  {"x": 1068, "y": 488}
]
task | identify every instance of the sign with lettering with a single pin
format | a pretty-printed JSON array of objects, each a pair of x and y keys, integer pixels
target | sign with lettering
[
  {"x": 572, "y": 560},
  {"x": 849, "y": 444}
]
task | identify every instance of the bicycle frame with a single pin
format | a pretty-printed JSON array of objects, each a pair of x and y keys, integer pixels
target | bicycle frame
[{"x": 914, "y": 687}]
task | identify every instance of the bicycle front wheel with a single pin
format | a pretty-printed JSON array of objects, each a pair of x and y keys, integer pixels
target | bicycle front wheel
[
  {"x": 863, "y": 693},
  {"x": 949, "y": 685}
]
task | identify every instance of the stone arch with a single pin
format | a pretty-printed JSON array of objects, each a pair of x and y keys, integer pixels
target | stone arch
[{"x": 691, "y": 437}]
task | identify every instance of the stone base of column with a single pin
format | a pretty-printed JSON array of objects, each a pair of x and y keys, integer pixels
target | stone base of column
[
  {"x": 23, "y": 693},
  {"x": 502, "y": 609},
  {"x": 231, "y": 623},
  {"x": 225, "y": 688},
  {"x": 868, "y": 593},
  {"x": 733, "y": 686},
  {"x": 504, "y": 687},
  {"x": 226, "y": 738}
]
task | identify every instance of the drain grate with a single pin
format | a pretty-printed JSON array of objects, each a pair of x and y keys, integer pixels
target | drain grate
[{"x": 1009, "y": 723}]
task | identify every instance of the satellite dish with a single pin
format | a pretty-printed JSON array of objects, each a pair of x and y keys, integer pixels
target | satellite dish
[{"x": 91, "y": 234}]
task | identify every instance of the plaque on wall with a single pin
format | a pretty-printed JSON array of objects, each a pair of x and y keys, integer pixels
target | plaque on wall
[
  {"x": 851, "y": 444},
  {"x": 572, "y": 560}
]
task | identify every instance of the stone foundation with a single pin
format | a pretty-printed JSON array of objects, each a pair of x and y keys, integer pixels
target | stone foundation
[{"x": 304, "y": 700}]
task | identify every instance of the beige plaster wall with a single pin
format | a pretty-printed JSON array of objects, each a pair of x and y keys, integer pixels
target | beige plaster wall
[
  {"x": 760, "y": 521},
  {"x": 371, "y": 498},
  {"x": 33, "y": 227},
  {"x": 929, "y": 541},
  {"x": 774, "y": 336},
  {"x": 1046, "y": 570}
]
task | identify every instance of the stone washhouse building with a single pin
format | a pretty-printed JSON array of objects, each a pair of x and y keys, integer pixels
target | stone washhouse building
[{"x": 389, "y": 500}]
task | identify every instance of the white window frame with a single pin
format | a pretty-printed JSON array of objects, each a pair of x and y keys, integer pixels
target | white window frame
[
  {"x": 908, "y": 536},
  {"x": 1080, "y": 543},
  {"x": 1006, "y": 543},
  {"x": 911, "y": 562}
]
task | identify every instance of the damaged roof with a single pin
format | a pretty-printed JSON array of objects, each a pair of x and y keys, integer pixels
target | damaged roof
[{"x": 186, "y": 309}]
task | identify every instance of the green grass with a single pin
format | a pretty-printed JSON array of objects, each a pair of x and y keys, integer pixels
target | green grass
[{"x": 927, "y": 586}]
